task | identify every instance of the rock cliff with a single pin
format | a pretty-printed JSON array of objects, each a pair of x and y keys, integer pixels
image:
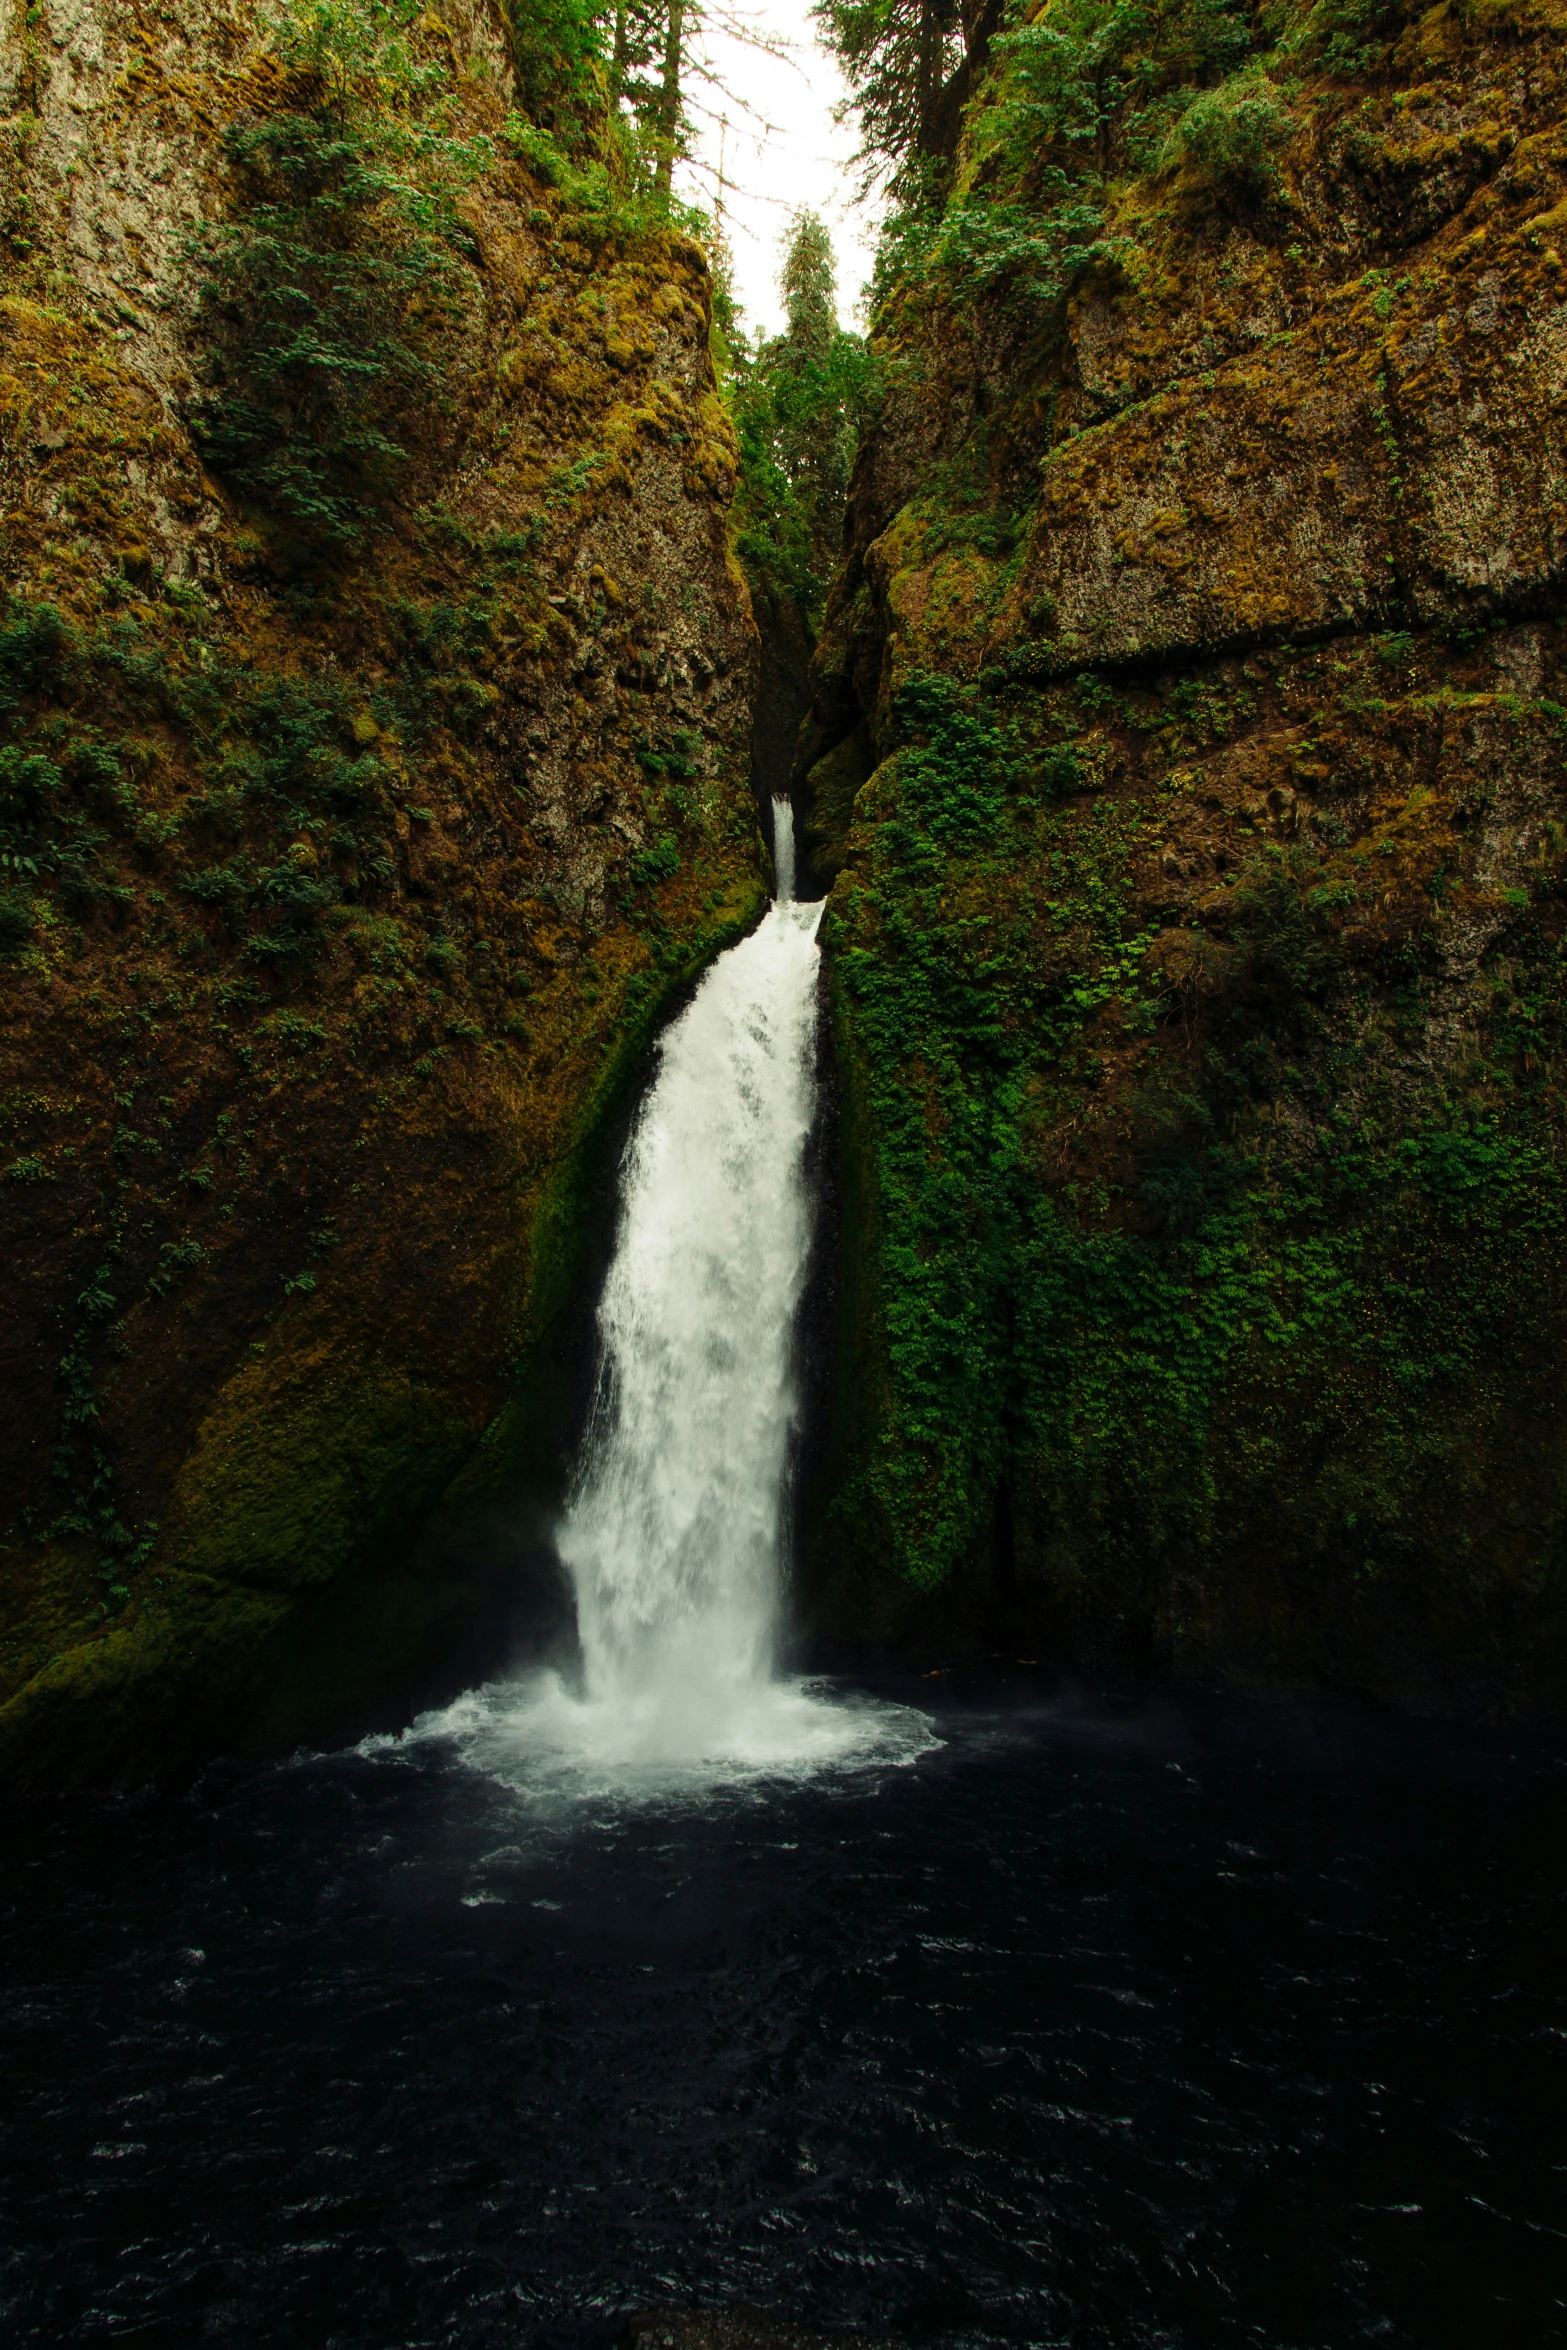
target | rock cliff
[
  {"x": 1190, "y": 747},
  {"x": 339, "y": 895}
]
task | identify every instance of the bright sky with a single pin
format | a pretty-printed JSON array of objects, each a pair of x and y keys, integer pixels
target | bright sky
[{"x": 785, "y": 153}]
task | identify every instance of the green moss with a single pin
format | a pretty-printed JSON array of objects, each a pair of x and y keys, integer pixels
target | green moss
[
  {"x": 358, "y": 1653},
  {"x": 306, "y": 1468},
  {"x": 146, "y": 1695},
  {"x": 1271, "y": 1358},
  {"x": 831, "y": 789}
]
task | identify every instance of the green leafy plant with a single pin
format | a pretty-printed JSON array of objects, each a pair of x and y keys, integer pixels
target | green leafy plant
[
  {"x": 659, "y": 861},
  {"x": 1231, "y": 134},
  {"x": 33, "y": 640},
  {"x": 322, "y": 303},
  {"x": 1080, "y": 95},
  {"x": 559, "y": 53},
  {"x": 798, "y": 402}
]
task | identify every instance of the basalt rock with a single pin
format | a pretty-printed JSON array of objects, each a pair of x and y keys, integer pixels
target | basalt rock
[
  {"x": 339, "y": 902},
  {"x": 1190, "y": 743}
]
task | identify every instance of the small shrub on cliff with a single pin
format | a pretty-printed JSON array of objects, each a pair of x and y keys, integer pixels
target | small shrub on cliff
[
  {"x": 309, "y": 347},
  {"x": 1352, "y": 37},
  {"x": 1077, "y": 82},
  {"x": 1231, "y": 135},
  {"x": 1182, "y": 1185},
  {"x": 303, "y": 762},
  {"x": 1278, "y": 919},
  {"x": 659, "y": 861},
  {"x": 322, "y": 303},
  {"x": 1057, "y": 770},
  {"x": 271, "y": 910},
  {"x": 295, "y": 764},
  {"x": 27, "y": 781},
  {"x": 956, "y": 771},
  {"x": 16, "y": 919},
  {"x": 33, "y": 638},
  {"x": 1038, "y": 256},
  {"x": 558, "y": 54}
]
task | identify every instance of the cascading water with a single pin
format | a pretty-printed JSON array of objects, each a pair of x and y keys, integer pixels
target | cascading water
[
  {"x": 673, "y": 1534},
  {"x": 672, "y": 1537}
]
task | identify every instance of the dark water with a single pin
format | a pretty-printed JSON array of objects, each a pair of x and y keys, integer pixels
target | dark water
[{"x": 1099, "y": 2026}]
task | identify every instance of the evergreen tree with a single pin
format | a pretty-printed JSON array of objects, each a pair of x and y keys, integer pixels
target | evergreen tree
[
  {"x": 668, "y": 118},
  {"x": 1081, "y": 95},
  {"x": 809, "y": 284},
  {"x": 910, "y": 65},
  {"x": 558, "y": 51},
  {"x": 798, "y": 403}
]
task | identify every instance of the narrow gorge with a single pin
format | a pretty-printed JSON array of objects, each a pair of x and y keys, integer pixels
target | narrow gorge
[
  {"x": 783, "y": 1493},
  {"x": 388, "y": 490}
]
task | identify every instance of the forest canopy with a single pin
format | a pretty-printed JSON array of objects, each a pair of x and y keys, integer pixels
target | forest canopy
[
  {"x": 1080, "y": 98},
  {"x": 799, "y": 399}
]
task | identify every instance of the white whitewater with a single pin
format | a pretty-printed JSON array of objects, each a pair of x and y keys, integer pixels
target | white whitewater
[
  {"x": 672, "y": 1537},
  {"x": 674, "y": 1532}
]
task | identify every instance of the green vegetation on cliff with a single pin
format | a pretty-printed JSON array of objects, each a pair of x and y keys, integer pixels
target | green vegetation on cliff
[
  {"x": 799, "y": 401},
  {"x": 369, "y": 775},
  {"x": 325, "y": 294},
  {"x": 1190, "y": 737},
  {"x": 1090, "y": 1331}
]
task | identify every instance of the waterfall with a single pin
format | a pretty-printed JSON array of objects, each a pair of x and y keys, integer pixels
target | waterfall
[
  {"x": 783, "y": 851},
  {"x": 672, "y": 1535},
  {"x": 674, "y": 1527}
]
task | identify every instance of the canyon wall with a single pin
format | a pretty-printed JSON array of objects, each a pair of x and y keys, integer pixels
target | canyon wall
[
  {"x": 340, "y": 897},
  {"x": 1189, "y": 746}
]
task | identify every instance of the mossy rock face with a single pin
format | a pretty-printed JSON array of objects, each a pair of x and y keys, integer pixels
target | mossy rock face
[
  {"x": 1198, "y": 938},
  {"x": 830, "y": 789},
  {"x": 146, "y": 1696},
  {"x": 295, "y": 1477},
  {"x": 357, "y": 889}
]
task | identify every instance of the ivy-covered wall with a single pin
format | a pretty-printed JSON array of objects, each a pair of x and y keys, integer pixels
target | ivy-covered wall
[{"x": 1190, "y": 743}]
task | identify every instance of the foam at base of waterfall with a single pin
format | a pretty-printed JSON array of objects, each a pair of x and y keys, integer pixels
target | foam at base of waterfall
[
  {"x": 672, "y": 1535},
  {"x": 536, "y": 1737}
]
